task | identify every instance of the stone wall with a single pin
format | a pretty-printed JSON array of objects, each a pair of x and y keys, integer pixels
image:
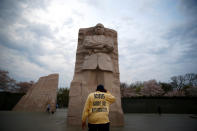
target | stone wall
[
  {"x": 41, "y": 94},
  {"x": 167, "y": 105}
]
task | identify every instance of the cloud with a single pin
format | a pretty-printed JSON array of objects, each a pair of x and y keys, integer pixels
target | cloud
[
  {"x": 40, "y": 30},
  {"x": 189, "y": 7},
  {"x": 156, "y": 51},
  {"x": 8, "y": 14},
  {"x": 33, "y": 44},
  {"x": 156, "y": 39},
  {"x": 19, "y": 66}
]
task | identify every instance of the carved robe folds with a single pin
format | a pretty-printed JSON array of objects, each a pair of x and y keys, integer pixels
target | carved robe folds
[{"x": 100, "y": 60}]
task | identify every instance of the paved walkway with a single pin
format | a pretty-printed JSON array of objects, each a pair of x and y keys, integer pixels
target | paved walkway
[{"x": 28, "y": 121}]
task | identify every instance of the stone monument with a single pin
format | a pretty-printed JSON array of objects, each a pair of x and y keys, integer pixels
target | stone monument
[
  {"x": 96, "y": 63},
  {"x": 41, "y": 94}
]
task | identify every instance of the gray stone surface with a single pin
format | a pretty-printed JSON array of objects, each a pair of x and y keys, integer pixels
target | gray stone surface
[{"x": 40, "y": 121}]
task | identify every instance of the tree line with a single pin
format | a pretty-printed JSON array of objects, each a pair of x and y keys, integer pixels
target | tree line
[
  {"x": 181, "y": 85},
  {"x": 62, "y": 97},
  {"x": 8, "y": 84}
]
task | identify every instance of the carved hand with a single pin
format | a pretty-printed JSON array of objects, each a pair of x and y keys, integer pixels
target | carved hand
[
  {"x": 92, "y": 45},
  {"x": 108, "y": 48}
]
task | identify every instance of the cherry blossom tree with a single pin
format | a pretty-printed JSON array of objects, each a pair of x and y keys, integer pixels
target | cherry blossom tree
[
  {"x": 175, "y": 93},
  {"x": 24, "y": 86},
  {"x": 152, "y": 88}
]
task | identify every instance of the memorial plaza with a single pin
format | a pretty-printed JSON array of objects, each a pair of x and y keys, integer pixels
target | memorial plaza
[{"x": 43, "y": 121}]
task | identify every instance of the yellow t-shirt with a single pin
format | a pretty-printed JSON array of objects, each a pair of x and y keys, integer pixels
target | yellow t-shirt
[{"x": 97, "y": 107}]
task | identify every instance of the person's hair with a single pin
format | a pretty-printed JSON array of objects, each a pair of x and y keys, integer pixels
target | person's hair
[{"x": 101, "y": 88}]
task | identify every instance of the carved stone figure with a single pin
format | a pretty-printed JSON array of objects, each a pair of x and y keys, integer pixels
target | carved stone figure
[
  {"x": 98, "y": 47},
  {"x": 41, "y": 94},
  {"x": 96, "y": 63}
]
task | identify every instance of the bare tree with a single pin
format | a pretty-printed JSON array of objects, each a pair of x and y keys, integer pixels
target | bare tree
[
  {"x": 174, "y": 82},
  {"x": 178, "y": 82},
  {"x": 187, "y": 80},
  {"x": 137, "y": 84},
  {"x": 191, "y": 79},
  {"x": 181, "y": 82},
  {"x": 123, "y": 86},
  {"x": 6, "y": 83}
]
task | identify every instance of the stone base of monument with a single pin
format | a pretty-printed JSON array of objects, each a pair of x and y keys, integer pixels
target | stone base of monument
[
  {"x": 116, "y": 118},
  {"x": 77, "y": 101}
]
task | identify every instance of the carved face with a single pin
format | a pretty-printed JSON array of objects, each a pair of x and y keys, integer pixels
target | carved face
[{"x": 99, "y": 29}]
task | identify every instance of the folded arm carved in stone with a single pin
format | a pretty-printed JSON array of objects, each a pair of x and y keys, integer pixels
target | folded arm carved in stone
[
  {"x": 98, "y": 43},
  {"x": 99, "y": 48}
]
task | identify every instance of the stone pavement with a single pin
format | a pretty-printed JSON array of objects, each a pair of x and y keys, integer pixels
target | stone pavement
[{"x": 39, "y": 121}]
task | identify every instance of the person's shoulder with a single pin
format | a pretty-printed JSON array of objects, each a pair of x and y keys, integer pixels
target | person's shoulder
[
  {"x": 91, "y": 94},
  {"x": 98, "y": 92},
  {"x": 108, "y": 93}
]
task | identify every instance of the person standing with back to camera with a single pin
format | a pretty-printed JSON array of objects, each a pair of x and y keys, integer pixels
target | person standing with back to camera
[{"x": 96, "y": 109}]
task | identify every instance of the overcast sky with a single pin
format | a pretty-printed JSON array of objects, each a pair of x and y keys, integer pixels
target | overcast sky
[{"x": 157, "y": 38}]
